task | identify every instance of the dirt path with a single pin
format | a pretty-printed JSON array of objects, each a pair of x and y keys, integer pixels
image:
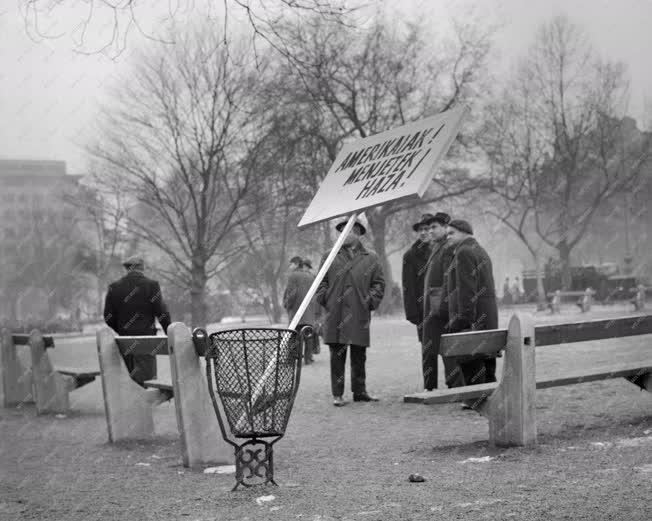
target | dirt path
[{"x": 593, "y": 461}]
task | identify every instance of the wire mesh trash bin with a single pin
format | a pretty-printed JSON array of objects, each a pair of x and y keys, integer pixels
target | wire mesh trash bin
[{"x": 255, "y": 372}]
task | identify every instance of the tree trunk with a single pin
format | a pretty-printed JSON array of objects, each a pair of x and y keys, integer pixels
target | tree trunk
[
  {"x": 101, "y": 285},
  {"x": 198, "y": 295},
  {"x": 564, "y": 258},
  {"x": 327, "y": 236},
  {"x": 378, "y": 223},
  {"x": 276, "y": 306},
  {"x": 542, "y": 301}
]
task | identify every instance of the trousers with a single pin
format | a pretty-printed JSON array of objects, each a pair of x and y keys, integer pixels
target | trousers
[
  {"x": 358, "y": 370},
  {"x": 141, "y": 367}
]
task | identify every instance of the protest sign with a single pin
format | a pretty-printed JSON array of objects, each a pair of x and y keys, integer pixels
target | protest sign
[{"x": 384, "y": 167}]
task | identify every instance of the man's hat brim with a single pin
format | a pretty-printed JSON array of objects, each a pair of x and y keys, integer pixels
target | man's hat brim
[
  {"x": 424, "y": 222},
  {"x": 341, "y": 225}
]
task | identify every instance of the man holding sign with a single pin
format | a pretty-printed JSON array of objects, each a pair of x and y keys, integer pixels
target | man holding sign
[
  {"x": 392, "y": 165},
  {"x": 351, "y": 289}
]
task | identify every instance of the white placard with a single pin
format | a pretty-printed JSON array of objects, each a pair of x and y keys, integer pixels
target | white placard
[{"x": 391, "y": 165}]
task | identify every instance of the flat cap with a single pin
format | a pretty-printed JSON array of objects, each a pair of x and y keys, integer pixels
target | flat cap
[
  {"x": 461, "y": 225},
  {"x": 425, "y": 220},
  {"x": 134, "y": 260},
  {"x": 442, "y": 218}
]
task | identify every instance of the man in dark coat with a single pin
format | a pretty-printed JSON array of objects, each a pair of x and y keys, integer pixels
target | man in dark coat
[
  {"x": 413, "y": 273},
  {"x": 352, "y": 288},
  {"x": 435, "y": 308},
  {"x": 472, "y": 302},
  {"x": 131, "y": 305},
  {"x": 299, "y": 282}
]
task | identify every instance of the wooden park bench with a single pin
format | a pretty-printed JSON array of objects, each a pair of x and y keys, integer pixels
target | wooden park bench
[
  {"x": 44, "y": 384},
  {"x": 129, "y": 407},
  {"x": 510, "y": 404}
]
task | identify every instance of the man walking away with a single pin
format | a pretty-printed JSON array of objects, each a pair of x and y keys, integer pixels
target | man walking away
[
  {"x": 471, "y": 298},
  {"x": 299, "y": 282},
  {"x": 352, "y": 288},
  {"x": 131, "y": 305}
]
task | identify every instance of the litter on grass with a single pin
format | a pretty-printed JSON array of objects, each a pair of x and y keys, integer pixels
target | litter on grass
[
  {"x": 222, "y": 469},
  {"x": 264, "y": 499},
  {"x": 483, "y": 459}
]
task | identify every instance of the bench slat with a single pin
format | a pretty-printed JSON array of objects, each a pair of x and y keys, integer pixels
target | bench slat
[
  {"x": 458, "y": 394},
  {"x": 158, "y": 384},
  {"x": 23, "y": 340},
  {"x": 615, "y": 371},
  {"x": 73, "y": 371},
  {"x": 143, "y": 345},
  {"x": 592, "y": 330},
  {"x": 493, "y": 341},
  {"x": 488, "y": 342}
]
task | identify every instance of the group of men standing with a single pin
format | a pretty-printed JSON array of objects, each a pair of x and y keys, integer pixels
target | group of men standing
[{"x": 448, "y": 287}]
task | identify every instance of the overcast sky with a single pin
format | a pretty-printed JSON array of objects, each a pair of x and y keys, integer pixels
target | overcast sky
[{"x": 49, "y": 93}]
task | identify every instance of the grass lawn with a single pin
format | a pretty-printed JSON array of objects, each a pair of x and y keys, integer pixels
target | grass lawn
[{"x": 593, "y": 461}]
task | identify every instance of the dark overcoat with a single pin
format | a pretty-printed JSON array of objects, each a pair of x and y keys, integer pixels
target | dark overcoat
[
  {"x": 299, "y": 283},
  {"x": 415, "y": 261},
  {"x": 435, "y": 312},
  {"x": 132, "y": 303},
  {"x": 471, "y": 292},
  {"x": 352, "y": 288}
]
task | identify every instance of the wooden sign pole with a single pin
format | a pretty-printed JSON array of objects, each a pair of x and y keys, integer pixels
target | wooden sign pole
[{"x": 302, "y": 308}]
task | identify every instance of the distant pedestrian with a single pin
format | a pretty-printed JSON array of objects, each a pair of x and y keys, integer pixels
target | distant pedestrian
[
  {"x": 306, "y": 265},
  {"x": 507, "y": 293},
  {"x": 415, "y": 261},
  {"x": 299, "y": 282},
  {"x": 352, "y": 288},
  {"x": 516, "y": 291},
  {"x": 131, "y": 305},
  {"x": 471, "y": 298}
]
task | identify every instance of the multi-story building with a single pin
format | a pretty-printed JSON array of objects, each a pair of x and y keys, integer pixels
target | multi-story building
[{"x": 31, "y": 207}]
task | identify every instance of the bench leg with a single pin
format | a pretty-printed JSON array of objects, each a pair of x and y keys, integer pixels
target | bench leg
[
  {"x": 51, "y": 389},
  {"x": 128, "y": 407},
  {"x": 201, "y": 438},
  {"x": 511, "y": 408},
  {"x": 15, "y": 376},
  {"x": 644, "y": 381}
]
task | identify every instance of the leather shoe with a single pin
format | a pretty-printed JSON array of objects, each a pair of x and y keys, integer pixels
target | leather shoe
[
  {"x": 338, "y": 401},
  {"x": 364, "y": 397}
]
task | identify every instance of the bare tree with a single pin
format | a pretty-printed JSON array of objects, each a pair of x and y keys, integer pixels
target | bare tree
[
  {"x": 559, "y": 144},
  {"x": 111, "y": 22},
  {"x": 179, "y": 139},
  {"x": 102, "y": 216},
  {"x": 368, "y": 81}
]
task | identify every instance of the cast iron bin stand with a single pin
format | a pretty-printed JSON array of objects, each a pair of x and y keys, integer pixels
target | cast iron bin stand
[{"x": 255, "y": 372}]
